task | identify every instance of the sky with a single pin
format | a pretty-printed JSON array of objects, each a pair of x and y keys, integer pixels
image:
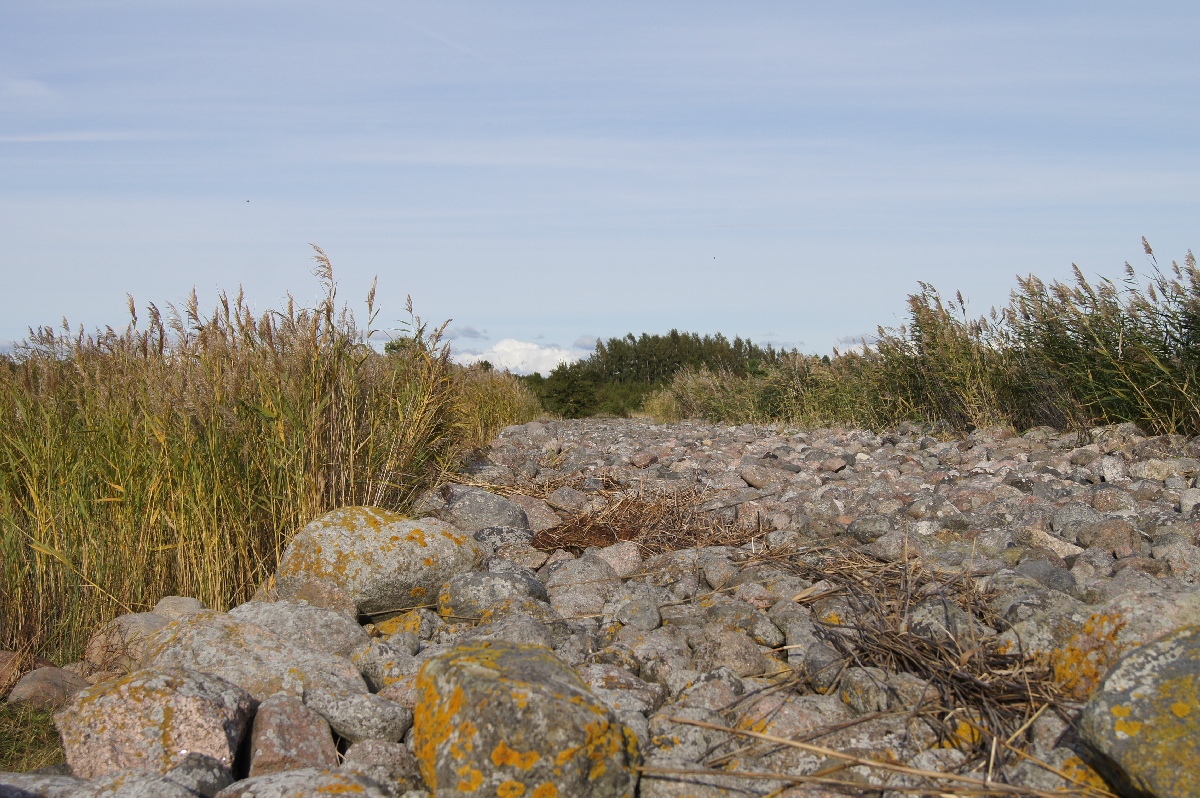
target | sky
[{"x": 540, "y": 174}]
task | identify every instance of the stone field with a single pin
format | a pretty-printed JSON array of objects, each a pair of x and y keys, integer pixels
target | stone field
[{"x": 609, "y": 607}]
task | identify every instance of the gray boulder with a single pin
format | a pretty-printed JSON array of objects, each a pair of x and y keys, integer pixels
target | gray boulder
[
  {"x": 46, "y": 688},
  {"x": 315, "y": 628},
  {"x": 473, "y": 509},
  {"x": 360, "y": 716},
  {"x": 253, "y": 657}
]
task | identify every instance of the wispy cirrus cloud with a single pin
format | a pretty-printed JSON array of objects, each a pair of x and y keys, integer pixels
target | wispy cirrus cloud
[
  {"x": 585, "y": 342},
  {"x": 466, "y": 331},
  {"x": 25, "y": 89},
  {"x": 86, "y": 137}
]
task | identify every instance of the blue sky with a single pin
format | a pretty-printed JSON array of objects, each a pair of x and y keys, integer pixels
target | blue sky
[{"x": 544, "y": 173}]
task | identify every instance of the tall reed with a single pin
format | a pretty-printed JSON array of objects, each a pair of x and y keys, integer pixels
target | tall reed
[
  {"x": 180, "y": 456},
  {"x": 1058, "y": 354}
]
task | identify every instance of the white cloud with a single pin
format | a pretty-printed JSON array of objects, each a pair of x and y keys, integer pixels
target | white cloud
[{"x": 521, "y": 357}]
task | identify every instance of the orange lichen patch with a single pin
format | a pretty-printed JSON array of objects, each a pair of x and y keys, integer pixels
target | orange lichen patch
[
  {"x": 417, "y": 536},
  {"x": 510, "y": 789},
  {"x": 602, "y": 743},
  {"x": 470, "y": 778},
  {"x": 754, "y": 723},
  {"x": 546, "y": 790},
  {"x": 1129, "y": 727},
  {"x": 1180, "y": 709},
  {"x": 502, "y": 755},
  {"x": 417, "y": 592},
  {"x": 457, "y": 540},
  {"x": 408, "y": 622},
  {"x": 434, "y": 720},
  {"x": 340, "y": 789},
  {"x": 1082, "y": 662},
  {"x": 1078, "y": 770},
  {"x": 566, "y": 755},
  {"x": 832, "y": 618},
  {"x": 428, "y": 562},
  {"x": 964, "y": 734}
]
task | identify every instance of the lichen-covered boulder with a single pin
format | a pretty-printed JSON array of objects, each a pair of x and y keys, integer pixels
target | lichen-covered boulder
[
  {"x": 1144, "y": 720},
  {"x": 469, "y": 596},
  {"x": 385, "y": 561},
  {"x": 152, "y": 719},
  {"x": 1127, "y": 621},
  {"x": 253, "y": 657},
  {"x": 498, "y": 718}
]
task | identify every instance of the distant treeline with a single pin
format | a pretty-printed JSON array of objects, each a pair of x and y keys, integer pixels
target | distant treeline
[
  {"x": 1075, "y": 354},
  {"x": 622, "y": 372}
]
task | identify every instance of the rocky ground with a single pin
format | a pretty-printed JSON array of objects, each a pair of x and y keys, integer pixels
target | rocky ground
[{"x": 615, "y": 608}]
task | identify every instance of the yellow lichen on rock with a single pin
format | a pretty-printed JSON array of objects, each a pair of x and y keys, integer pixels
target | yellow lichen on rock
[
  {"x": 1143, "y": 721},
  {"x": 521, "y": 718},
  {"x": 1079, "y": 665},
  {"x": 382, "y": 560}
]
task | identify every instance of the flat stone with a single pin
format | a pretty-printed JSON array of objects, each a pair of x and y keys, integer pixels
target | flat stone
[
  {"x": 308, "y": 782},
  {"x": 625, "y": 557},
  {"x": 472, "y": 509},
  {"x": 389, "y": 763},
  {"x": 499, "y": 536},
  {"x": 250, "y": 656},
  {"x": 540, "y": 515},
  {"x": 728, "y": 648},
  {"x": 196, "y": 775},
  {"x": 469, "y": 596},
  {"x": 757, "y": 476},
  {"x": 315, "y": 628},
  {"x": 38, "y": 785},
  {"x": 151, "y": 720},
  {"x": 319, "y": 593},
  {"x": 175, "y": 607}
]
